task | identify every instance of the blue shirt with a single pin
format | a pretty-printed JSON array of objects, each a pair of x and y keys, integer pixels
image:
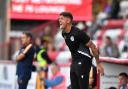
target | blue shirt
[
  {"x": 124, "y": 87},
  {"x": 54, "y": 82},
  {"x": 24, "y": 67}
]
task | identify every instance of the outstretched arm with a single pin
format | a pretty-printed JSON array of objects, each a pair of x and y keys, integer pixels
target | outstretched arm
[
  {"x": 85, "y": 39},
  {"x": 95, "y": 52}
]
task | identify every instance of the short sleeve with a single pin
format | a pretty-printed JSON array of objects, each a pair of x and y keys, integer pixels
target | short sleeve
[{"x": 83, "y": 37}]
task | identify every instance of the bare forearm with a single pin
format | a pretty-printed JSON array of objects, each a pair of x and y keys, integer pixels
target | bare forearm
[
  {"x": 95, "y": 54},
  {"x": 94, "y": 50},
  {"x": 22, "y": 55}
]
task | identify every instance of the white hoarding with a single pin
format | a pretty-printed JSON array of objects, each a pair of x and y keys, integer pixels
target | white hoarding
[{"x": 111, "y": 75}]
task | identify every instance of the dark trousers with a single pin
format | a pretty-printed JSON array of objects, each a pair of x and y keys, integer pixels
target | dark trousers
[
  {"x": 79, "y": 74},
  {"x": 22, "y": 84}
]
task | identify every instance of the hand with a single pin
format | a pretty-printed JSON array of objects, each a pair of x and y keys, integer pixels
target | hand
[
  {"x": 91, "y": 80},
  {"x": 27, "y": 48},
  {"x": 100, "y": 69}
]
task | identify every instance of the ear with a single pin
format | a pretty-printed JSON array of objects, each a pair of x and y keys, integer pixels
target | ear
[{"x": 68, "y": 20}]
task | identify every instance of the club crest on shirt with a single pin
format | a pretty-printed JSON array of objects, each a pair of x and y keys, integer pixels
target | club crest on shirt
[{"x": 72, "y": 38}]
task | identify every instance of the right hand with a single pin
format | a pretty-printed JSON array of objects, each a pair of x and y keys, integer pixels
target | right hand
[{"x": 100, "y": 69}]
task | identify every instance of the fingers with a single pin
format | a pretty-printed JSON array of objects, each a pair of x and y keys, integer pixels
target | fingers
[
  {"x": 97, "y": 71},
  {"x": 100, "y": 71},
  {"x": 29, "y": 46}
]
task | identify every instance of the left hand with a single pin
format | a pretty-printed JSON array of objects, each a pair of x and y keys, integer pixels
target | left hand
[{"x": 100, "y": 69}]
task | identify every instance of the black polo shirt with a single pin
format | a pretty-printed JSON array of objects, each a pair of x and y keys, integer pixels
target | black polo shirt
[
  {"x": 76, "y": 40},
  {"x": 24, "y": 67}
]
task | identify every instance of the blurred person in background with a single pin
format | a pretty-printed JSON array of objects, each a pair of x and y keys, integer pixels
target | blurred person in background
[
  {"x": 37, "y": 44},
  {"x": 43, "y": 45},
  {"x": 57, "y": 80},
  {"x": 108, "y": 8},
  {"x": 47, "y": 38},
  {"x": 47, "y": 43},
  {"x": 43, "y": 59},
  {"x": 123, "y": 81},
  {"x": 48, "y": 31},
  {"x": 112, "y": 9},
  {"x": 112, "y": 88},
  {"x": 110, "y": 49},
  {"x": 79, "y": 43},
  {"x": 42, "y": 55},
  {"x": 24, "y": 60},
  {"x": 125, "y": 48},
  {"x": 94, "y": 27},
  {"x": 115, "y": 8}
]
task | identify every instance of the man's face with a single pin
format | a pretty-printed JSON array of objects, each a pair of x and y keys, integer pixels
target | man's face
[
  {"x": 122, "y": 80},
  {"x": 24, "y": 39},
  {"x": 53, "y": 68},
  {"x": 63, "y": 21},
  {"x": 107, "y": 41}
]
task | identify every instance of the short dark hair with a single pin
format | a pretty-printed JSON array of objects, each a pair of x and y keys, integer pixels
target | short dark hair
[
  {"x": 56, "y": 64},
  {"x": 112, "y": 88},
  {"x": 108, "y": 37},
  {"x": 28, "y": 34},
  {"x": 123, "y": 74},
  {"x": 67, "y": 14}
]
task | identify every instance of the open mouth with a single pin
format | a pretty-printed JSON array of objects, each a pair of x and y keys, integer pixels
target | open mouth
[{"x": 61, "y": 25}]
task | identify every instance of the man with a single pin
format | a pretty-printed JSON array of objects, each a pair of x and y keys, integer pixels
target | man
[
  {"x": 123, "y": 77},
  {"x": 110, "y": 49},
  {"x": 43, "y": 60},
  {"x": 79, "y": 44},
  {"x": 42, "y": 56},
  {"x": 111, "y": 88},
  {"x": 58, "y": 80},
  {"x": 25, "y": 59}
]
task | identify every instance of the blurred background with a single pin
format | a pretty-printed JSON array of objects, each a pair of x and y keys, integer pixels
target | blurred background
[{"x": 105, "y": 21}]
